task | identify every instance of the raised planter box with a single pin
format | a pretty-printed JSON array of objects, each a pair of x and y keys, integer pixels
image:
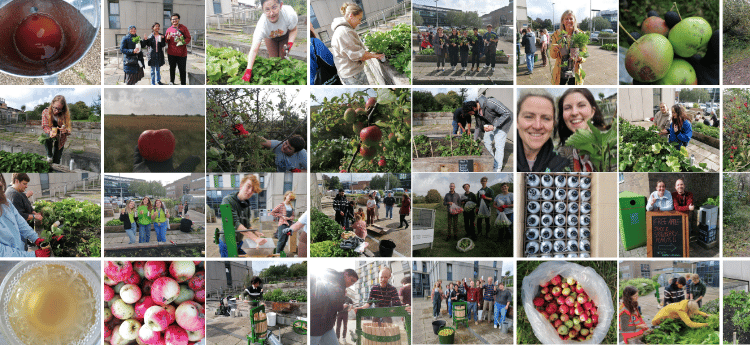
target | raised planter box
[
  {"x": 433, "y": 58},
  {"x": 119, "y": 228},
  {"x": 711, "y": 141}
]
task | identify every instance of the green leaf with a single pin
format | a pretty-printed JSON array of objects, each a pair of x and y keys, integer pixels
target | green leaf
[{"x": 386, "y": 96}]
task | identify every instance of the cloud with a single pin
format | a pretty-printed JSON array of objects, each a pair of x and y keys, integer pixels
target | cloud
[
  {"x": 441, "y": 182},
  {"x": 161, "y": 101},
  {"x": 543, "y": 8},
  {"x": 16, "y": 96}
]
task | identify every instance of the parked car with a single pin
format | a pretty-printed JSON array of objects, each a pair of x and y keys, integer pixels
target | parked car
[
  {"x": 594, "y": 37},
  {"x": 608, "y": 31}
]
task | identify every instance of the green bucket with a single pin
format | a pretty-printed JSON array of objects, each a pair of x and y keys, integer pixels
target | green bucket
[{"x": 446, "y": 339}]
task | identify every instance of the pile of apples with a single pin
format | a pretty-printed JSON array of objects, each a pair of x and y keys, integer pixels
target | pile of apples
[
  {"x": 154, "y": 302},
  {"x": 568, "y": 308}
]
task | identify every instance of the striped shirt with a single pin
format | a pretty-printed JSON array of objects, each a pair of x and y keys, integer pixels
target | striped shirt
[
  {"x": 673, "y": 294},
  {"x": 386, "y": 296},
  {"x": 489, "y": 292}
]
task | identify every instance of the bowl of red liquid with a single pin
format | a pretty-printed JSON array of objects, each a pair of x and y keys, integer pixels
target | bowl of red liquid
[{"x": 44, "y": 38}]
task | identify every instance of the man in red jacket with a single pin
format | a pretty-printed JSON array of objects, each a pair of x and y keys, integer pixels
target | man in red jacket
[
  {"x": 472, "y": 296},
  {"x": 683, "y": 200},
  {"x": 178, "y": 37}
]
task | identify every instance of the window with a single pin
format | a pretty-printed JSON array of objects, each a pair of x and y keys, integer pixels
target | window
[
  {"x": 167, "y": 14},
  {"x": 208, "y": 184},
  {"x": 44, "y": 181},
  {"x": 262, "y": 180},
  {"x": 424, "y": 266},
  {"x": 114, "y": 14},
  {"x": 494, "y": 264},
  {"x": 313, "y": 18},
  {"x": 218, "y": 181},
  {"x": 288, "y": 181},
  {"x": 414, "y": 265},
  {"x": 235, "y": 181},
  {"x": 646, "y": 271},
  {"x": 217, "y": 6},
  {"x": 449, "y": 272},
  {"x": 476, "y": 269},
  {"x": 620, "y": 178}
]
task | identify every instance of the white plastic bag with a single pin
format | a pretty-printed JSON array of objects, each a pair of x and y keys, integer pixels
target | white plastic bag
[
  {"x": 484, "y": 210},
  {"x": 592, "y": 282},
  {"x": 454, "y": 209},
  {"x": 502, "y": 219}
]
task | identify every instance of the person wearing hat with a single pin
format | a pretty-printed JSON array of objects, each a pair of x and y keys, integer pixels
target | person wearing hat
[
  {"x": 490, "y": 43},
  {"x": 131, "y": 62}
]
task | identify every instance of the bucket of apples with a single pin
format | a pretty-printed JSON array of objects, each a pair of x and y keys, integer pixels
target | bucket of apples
[{"x": 567, "y": 303}]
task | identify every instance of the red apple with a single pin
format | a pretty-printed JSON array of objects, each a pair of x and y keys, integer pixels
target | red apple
[
  {"x": 570, "y": 301},
  {"x": 156, "y": 145},
  {"x": 564, "y": 313},
  {"x": 557, "y": 323},
  {"x": 566, "y": 291},
  {"x": 556, "y": 291},
  {"x": 371, "y": 136},
  {"x": 564, "y": 286},
  {"x": 381, "y": 162},
  {"x": 371, "y": 102},
  {"x": 556, "y": 280},
  {"x": 560, "y": 300},
  {"x": 551, "y": 308},
  {"x": 553, "y": 317},
  {"x": 366, "y": 152},
  {"x": 544, "y": 290},
  {"x": 548, "y": 297}
]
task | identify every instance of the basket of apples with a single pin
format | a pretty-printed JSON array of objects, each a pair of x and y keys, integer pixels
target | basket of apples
[{"x": 567, "y": 303}]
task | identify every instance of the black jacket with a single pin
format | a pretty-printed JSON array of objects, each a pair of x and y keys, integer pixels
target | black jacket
[
  {"x": 546, "y": 161},
  {"x": 156, "y": 50},
  {"x": 125, "y": 219},
  {"x": 186, "y": 225},
  {"x": 493, "y": 113}
]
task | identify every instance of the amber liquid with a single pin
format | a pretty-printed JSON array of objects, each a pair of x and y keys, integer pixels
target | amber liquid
[
  {"x": 52, "y": 304},
  {"x": 39, "y": 38}
]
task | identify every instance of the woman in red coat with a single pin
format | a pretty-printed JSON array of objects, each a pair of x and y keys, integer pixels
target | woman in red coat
[{"x": 404, "y": 211}]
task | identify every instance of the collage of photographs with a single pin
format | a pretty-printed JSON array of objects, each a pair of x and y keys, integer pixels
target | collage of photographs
[{"x": 169, "y": 168}]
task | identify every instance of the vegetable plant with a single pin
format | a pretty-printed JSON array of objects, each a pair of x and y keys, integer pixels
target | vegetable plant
[
  {"x": 113, "y": 222},
  {"x": 674, "y": 331},
  {"x": 395, "y": 44},
  {"x": 226, "y": 66},
  {"x": 736, "y": 135},
  {"x": 428, "y": 51},
  {"x": 601, "y": 147},
  {"x": 23, "y": 162},
  {"x": 643, "y": 150},
  {"x": 709, "y": 131},
  {"x": 79, "y": 223}
]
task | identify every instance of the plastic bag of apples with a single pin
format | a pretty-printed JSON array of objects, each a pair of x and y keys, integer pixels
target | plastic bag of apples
[{"x": 591, "y": 306}]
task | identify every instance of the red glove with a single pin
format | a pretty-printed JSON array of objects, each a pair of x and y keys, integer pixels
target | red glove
[
  {"x": 59, "y": 238},
  {"x": 502, "y": 207},
  {"x": 248, "y": 75},
  {"x": 43, "y": 253},
  {"x": 39, "y": 241},
  {"x": 290, "y": 45}
]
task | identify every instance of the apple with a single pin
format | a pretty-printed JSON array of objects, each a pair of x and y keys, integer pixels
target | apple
[
  {"x": 583, "y": 318},
  {"x": 156, "y": 145},
  {"x": 546, "y": 316},
  {"x": 544, "y": 291},
  {"x": 548, "y": 297},
  {"x": 116, "y": 338},
  {"x": 138, "y": 267},
  {"x": 181, "y": 271},
  {"x": 146, "y": 287},
  {"x": 122, "y": 310},
  {"x": 155, "y": 269},
  {"x": 556, "y": 280},
  {"x": 157, "y": 318},
  {"x": 149, "y": 336},
  {"x": 190, "y": 316},
  {"x": 569, "y": 323},
  {"x": 107, "y": 314},
  {"x": 113, "y": 300},
  {"x": 371, "y": 102},
  {"x": 543, "y": 284},
  {"x": 185, "y": 294},
  {"x": 564, "y": 313},
  {"x": 579, "y": 288},
  {"x": 566, "y": 291},
  {"x": 130, "y": 293},
  {"x": 553, "y": 317},
  {"x": 572, "y": 333},
  {"x": 556, "y": 291},
  {"x": 195, "y": 336},
  {"x": 381, "y": 162},
  {"x": 570, "y": 301},
  {"x": 175, "y": 335},
  {"x": 107, "y": 332},
  {"x": 562, "y": 330},
  {"x": 357, "y": 127},
  {"x": 142, "y": 305},
  {"x": 108, "y": 293},
  {"x": 584, "y": 331},
  {"x": 587, "y": 306},
  {"x": 570, "y": 281},
  {"x": 538, "y": 301},
  {"x": 564, "y": 286},
  {"x": 118, "y": 286},
  {"x": 551, "y": 308},
  {"x": 165, "y": 290},
  {"x": 129, "y": 329},
  {"x": 360, "y": 112},
  {"x": 118, "y": 270},
  {"x": 557, "y": 323},
  {"x": 200, "y": 296},
  {"x": 577, "y": 326},
  {"x": 371, "y": 135},
  {"x": 367, "y": 152},
  {"x": 198, "y": 281},
  {"x": 108, "y": 281},
  {"x": 578, "y": 310},
  {"x": 350, "y": 116},
  {"x": 134, "y": 278},
  {"x": 581, "y": 298},
  {"x": 560, "y": 300}
]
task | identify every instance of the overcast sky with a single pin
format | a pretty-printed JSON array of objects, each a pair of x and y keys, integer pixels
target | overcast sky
[
  {"x": 157, "y": 101},
  {"x": 164, "y": 178},
  {"x": 482, "y": 7},
  {"x": 336, "y": 91},
  {"x": 471, "y": 93},
  {"x": 442, "y": 182},
  {"x": 16, "y": 96},
  {"x": 543, "y": 8}
]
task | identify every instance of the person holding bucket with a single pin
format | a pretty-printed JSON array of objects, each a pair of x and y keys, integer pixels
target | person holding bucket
[
  {"x": 277, "y": 27},
  {"x": 56, "y": 123}
]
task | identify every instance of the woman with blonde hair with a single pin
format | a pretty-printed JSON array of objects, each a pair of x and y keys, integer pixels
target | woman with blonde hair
[
  {"x": 160, "y": 217},
  {"x": 285, "y": 213},
  {"x": 277, "y": 28},
  {"x": 56, "y": 123},
  {"x": 144, "y": 220},
  {"x": 681, "y": 310},
  {"x": 129, "y": 217},
  {"x": 563, "y": 73},
  {"x": 437, "y": 299},
  {"x": 348, "y": 51}
]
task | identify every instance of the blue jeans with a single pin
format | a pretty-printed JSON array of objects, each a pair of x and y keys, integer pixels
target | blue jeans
[
  {"x": 530, "y": 62},
  {"x": 161, "y": 231},
  {"x": 131, "y": 233},
  {"x": 498, "y": 137},
  {"x": 472, "y": 311},
  {"x": 499, "y": 313},
  {"x": 225, "y": 252},
  {"x": 456, "y": 129},
  {"x": 144, "y": 233},
  {"x": 155, "y": 75},
  {"x": 450, "y": 308},
  {"x": 389, "y": 211}
]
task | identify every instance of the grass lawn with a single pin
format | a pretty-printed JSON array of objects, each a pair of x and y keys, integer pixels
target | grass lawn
[
  {"x": 606, "y": 269},
  {"x": 484, "y": 247}
]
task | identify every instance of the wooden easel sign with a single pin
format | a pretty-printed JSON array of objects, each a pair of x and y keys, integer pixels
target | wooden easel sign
[{"x": 667, "y": 234}]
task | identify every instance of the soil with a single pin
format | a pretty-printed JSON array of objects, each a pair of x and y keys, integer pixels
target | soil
[
  {"x": 70, "y": 245},
  {"x": 424, "y": 151},
  {"x": 171, "y": 251},
  {"x": 729, "y": 328},
  {"x": 736, "y": 74}
]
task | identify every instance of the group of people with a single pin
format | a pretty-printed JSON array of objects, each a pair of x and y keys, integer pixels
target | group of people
[
  {"x": 455, "y": 44},
  {"x": 676, "y": 125},
  {"x": 332, "y": 305},
  {"x": 483, "y": 202},
  {"x": 682, "y": 299},
  {"x": 344, "y": 62},
  {"x": 175, "y": 39},
  {"x": 540, "y": 118},
  {"x": 662, "y": 200},
  {"x": 143, "y": 217},
  {"x": 242, "y": 216},
  {"x": 567, "y": 65},
  {"x": 17, "y": 216},
  {"x": 492, "y": 299},
  {"x": 358, "y": 221},
  {"x": 493, "y": 121}
]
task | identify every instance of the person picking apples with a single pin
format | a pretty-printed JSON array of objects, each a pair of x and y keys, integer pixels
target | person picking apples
[
  {"x": 277, "y": 27},
  {"x": 290, "y": 154},
  {"x": 242, "y": 215}
]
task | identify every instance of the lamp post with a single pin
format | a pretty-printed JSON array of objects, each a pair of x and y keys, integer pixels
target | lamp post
[
  {"x": 591, "y": 26},
  {"x": 437, "y": 17},
  {"x": 553, "y": 17}
]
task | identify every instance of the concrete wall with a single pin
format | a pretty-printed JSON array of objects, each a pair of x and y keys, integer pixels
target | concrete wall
[
  {"x": 326, "y": 10},
  {"x": 273, "y": 184},
  {"x": 144, "y": 13},
  {"x": 57, "y": 182},
  {"x": 88, "y": 132},
  {"x": 216, "y": 276},
  {"x": 737, "y": 270},
  {"x": 638, "y": 104}
]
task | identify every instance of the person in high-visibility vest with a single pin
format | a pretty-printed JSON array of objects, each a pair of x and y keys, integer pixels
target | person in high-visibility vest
[{"x": 631, "y": 322}]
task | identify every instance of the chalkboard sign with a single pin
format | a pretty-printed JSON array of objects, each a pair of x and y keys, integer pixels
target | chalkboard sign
[
  {"x": 466, "y": 165},
  {"x": 667, "y": 234}
]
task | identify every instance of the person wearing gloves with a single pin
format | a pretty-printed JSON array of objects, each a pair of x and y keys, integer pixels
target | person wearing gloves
[
  {"x": 14, "y": 230},
  {"x": 130, "y": 62},
  {"x": 277, "y": 27},
  {"x": 156, "y": 44},
  {"x": 160, "y": 218},
  {"x": 494, "y": 120},
  {"x": 178, "y": 37},
  {"x": 477, "y": 47},
  {"x": 661, "y": 199},
  {"x": 449, "y": 199},
  {"x": 56, "y": 123},
  {"x": 680, "y": 131},
  {"x": 348, "y": 51}
]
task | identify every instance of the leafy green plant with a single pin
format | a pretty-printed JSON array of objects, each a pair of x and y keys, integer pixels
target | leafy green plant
[
  {"x": 395, "y": 44},
  {"x": 706, "y": 130},
  {"x": 23, "y": 162},
  {"x": 579, "y": 40},
  {"x": 113, "y": 222},
  {"x": 428, "y": 51},
  {"x": 226, "y": 66},
  {"x": 674, "y": 331},
  {"x": 80, "y": 223},
  {"x": 601, "y": 147},
  {"x": 643, "y": 150},
  {"x": 609, "y": 46},
  {"x": 331, "y": 249}
]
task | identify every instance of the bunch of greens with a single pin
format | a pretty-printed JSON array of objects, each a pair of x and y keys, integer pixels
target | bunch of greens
[
  {"x": 395, "y": 44},
  {"x": 136, "y": 39},
  {"x": 323, "y": 228},
  {"x": 428, "y": 51},
  {"x": 26, "y": 162},
  {"x": 643, "y": 150},
  {"x": 708, "y": 131},
  {"x": 579, "y": 40},
  {"x": 329, "y": 249},
  {"x": 465, "y": 145},
  {"x": 674, "y": 331},
  {"x": 226, "y": 66},
  {"x": 113, "y": 222},
  {"x": 80, "y": 223},
  {"x": 601, "y": 147}
]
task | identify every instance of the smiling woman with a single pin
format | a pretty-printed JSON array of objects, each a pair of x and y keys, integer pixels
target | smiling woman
[
  {"x": 576, "y": 109},
  {"x": 536, "y": 120}
]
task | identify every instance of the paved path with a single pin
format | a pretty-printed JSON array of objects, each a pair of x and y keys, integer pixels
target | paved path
[
  {"x": 649, "y": 307},
  {"x": 424, "y": 73},
  {"x": 120, "y": 239},
  {"x": 113, "y": 74},
  {"x": 212, "y": 249},
  {"x": 223, "y": 330},
  {"x": 423, "y": 334},
  {"x": 696, "y": 251},
  {"x": 600, "y": 67}
]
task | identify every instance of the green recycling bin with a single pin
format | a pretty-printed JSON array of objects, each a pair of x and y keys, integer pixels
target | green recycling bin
[{"x": 632, "y": 220}]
